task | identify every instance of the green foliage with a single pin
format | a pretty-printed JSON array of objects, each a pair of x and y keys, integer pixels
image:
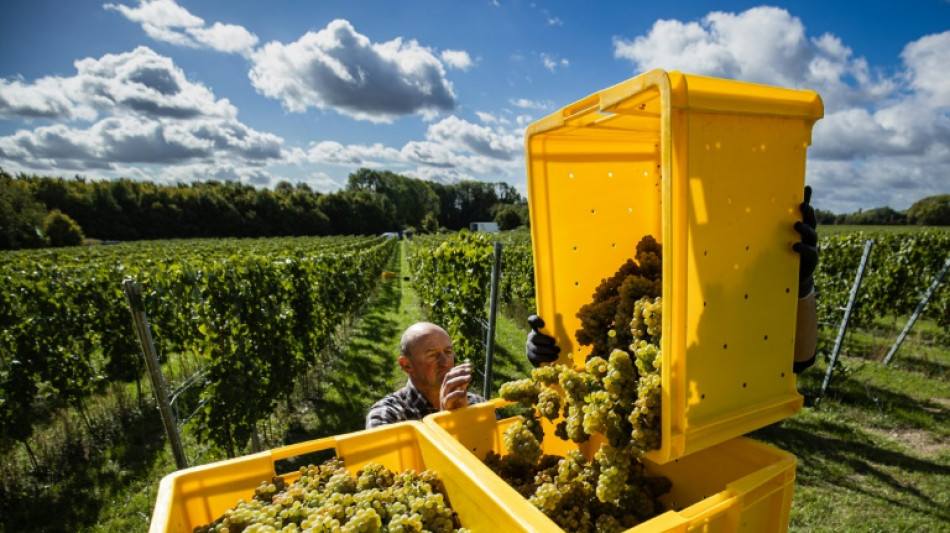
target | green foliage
[
  {"x": 255, "y": 312},
  {"x": 62, "y": 230},
  {"x": 21, "y": 216},
  {"x": 930, "y": 211},
  {"x": 900, "y": 268},
  {"x": 452, "y": 278},
  {"x": 509, "y": 216}
]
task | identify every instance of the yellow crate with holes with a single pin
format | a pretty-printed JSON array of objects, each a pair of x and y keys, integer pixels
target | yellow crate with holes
[
  {"x": 199, "y": 495},
  {"x": 733, "y": 486},
  {"x": 714, "y": 170}
]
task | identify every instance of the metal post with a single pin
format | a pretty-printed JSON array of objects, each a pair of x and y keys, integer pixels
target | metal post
[
  {"x": 920, "y": 309},
  {"x": 133, "y": 295},
  {"x": 847, "y": 316},
  {"x": 492, "y": 310}
]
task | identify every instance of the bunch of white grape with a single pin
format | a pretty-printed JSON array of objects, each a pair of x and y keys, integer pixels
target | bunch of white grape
[
  {"x": 328, "y": 499},
  {"x": 617, "y": 398}
]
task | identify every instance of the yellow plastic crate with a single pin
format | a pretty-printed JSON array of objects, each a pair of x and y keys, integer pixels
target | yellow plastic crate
[
  {"x": 714, "y": 170},
  {"x": 733, "y": 486},
  {"x": 199, "y": 495}
]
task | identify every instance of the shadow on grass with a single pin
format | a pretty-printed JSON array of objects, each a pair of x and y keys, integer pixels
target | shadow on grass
[
  {"x": 926, "y": 367},
  {"x": 830, "y": 454},
  {"x": 69, "y": 498},
  {"x": 359, "y": 373},
  {"x": 849, "y": 391}
]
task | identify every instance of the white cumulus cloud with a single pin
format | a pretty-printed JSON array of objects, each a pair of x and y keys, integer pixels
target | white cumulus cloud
[
  {"x": 341, "y": 69},
  {"x": 884, "y": 138},
  {"x": 458, "y": 59},
  {"x": 166, "y": 21},
  {"x": 132, "y": 108}
]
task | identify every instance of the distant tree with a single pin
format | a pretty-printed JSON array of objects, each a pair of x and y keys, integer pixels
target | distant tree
[
  {"x": 21, "y": 216},
  {"x": 824, "y": 217},
  {"x": 879, "y": 216},
  {"x": 930, "y": 211},
  {"x": 61, "y": 230},
  {"x": 430, "y": 223},
  {"x": 507, "y": 216}
]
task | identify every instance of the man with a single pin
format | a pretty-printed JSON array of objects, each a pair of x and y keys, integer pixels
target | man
[
  {"x": 541, "y": 348},
  {"x": 435, "y": 383}
]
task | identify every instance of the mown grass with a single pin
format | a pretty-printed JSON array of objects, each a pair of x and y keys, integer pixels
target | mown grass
[{"x": 874, "y": 452}]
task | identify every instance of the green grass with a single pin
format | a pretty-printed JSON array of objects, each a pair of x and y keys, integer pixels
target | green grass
[{"x": 874, "y": 453}]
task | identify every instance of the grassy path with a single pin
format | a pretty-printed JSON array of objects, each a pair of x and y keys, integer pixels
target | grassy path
[{"x": 365, "y": 368}]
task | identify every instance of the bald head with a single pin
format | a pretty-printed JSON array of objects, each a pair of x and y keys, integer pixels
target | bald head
[{"x": 416, "y": 333}]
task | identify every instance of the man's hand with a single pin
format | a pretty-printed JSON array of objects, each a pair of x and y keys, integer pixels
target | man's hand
[
  {"x": 454, "y": 393},
  {"x": 808, "y": 247},
  {"x": 540, "y": 348}
]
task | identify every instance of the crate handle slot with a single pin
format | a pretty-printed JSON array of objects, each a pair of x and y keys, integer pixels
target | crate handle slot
[{"x": 302, "y": 448}]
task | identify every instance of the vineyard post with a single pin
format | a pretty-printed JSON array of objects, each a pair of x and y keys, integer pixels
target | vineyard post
[
  {"x": 917, "y": 312},
  {"x": 847, "y": 317},
  {"x": 133, "y": 295},
  {"x": 492, "y": 310}
]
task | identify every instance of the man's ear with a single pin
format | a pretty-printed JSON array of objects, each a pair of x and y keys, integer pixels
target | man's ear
[{"x": 404, "y": 363}]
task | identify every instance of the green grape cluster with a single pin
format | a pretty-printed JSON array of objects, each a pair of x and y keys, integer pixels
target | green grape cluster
[
  {"x": 616, "y": 396},
  {"x": 328, "y": 499}
]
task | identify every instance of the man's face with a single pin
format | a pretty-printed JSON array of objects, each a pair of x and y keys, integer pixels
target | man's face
[{"x": 431, "y": 357}]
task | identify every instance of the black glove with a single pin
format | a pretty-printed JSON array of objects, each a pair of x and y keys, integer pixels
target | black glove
[
  {"x": 808, "y": 247},
  {"x": 540, "y": 348}
]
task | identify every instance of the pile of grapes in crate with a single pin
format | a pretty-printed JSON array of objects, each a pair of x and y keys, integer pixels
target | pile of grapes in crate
[
  {"x": 327, "y": 498},
  {"x": 616, "y": 396}
]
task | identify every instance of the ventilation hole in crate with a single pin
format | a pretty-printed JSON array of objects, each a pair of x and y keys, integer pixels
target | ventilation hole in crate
[
  {"x": 746, "y": 296},
  {"x": 610, "y": 174},
  {"x": 702, "y": 396},
  {"x": 787, "y": 290},
  {"x": 705, "y": 253},
  {"x": 783, "y": 374},
  {"x": 704, "y": 304},
  {"x": 592, "y": 211},
  {"x": 645, "y": 173},
  {"x": 570, "y": 175},
  {"x": 630, "y": 210},
  {"x": 613, "y": 245},
  {"x": 575, "y": 248},
  {"x": 725, "y": 346},
  {"x": 743, "y": 385},
  {"x": 747, "y": 248},
  {"x": 765, "y": 338},
  {"x": 577, "y": 284}
]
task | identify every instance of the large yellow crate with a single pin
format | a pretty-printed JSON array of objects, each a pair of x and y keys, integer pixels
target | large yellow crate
[
  {"x": 714, "y": 169},
  {"x": 199, "y": 495},
  {"x": 735, "y": 486}
]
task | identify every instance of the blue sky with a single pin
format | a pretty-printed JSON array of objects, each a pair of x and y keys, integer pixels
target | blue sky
[{"x": 183, "y": 90}]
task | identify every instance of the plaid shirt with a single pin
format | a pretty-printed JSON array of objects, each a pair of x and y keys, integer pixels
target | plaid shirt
[{"x": 406, "y": 403}]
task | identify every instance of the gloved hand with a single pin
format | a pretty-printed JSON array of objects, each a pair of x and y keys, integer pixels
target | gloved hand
[
  {"x": 808, "y": 247},
  {"x": 540, "y": 348}
]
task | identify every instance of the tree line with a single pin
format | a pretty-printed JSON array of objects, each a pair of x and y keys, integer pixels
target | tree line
[
  {"x": 37, "y": 211},
  {"x": 929, "y": 211}
]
